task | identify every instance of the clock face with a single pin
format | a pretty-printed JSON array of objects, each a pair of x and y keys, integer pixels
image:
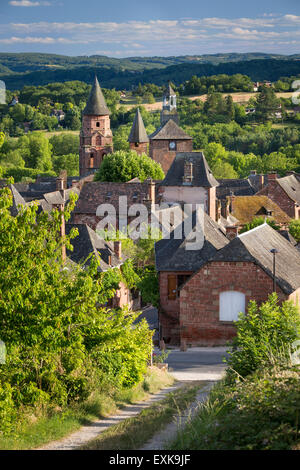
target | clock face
[{"x": 172, "y": 145}]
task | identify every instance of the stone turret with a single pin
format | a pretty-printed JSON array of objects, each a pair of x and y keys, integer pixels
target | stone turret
[
  {"x": 95, "y": 135},
  {"x": 138, "y": 138}
]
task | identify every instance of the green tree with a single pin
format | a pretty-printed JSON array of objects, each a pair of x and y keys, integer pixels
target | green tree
[
  {"x": 266, "y": 104},
  {"x": 61, "y": 342},
  {"x": 294, "y": 229},
  {"x": 69, "y": 162},
  {"x": 122, "y": 166}
]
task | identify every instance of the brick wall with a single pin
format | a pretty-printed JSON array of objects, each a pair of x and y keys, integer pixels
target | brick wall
[
  {"x": 169, "y": 309},
  {"x": 275, "y": 192},
  {"x": 139, "y": 148},
  {"x": 199, "y": 299},
  {"x": 159, "y": 151}
]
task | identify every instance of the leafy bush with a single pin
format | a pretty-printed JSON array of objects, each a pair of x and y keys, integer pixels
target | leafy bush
[
  {"x": 262, "y": 332},
  {"x": 122, "y": 166}
]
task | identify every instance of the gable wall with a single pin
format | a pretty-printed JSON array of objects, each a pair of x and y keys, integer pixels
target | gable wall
[{"x": 199, "y": 300}]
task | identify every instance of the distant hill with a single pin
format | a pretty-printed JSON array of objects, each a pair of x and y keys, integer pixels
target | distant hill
[{"x": 18, "y": 70}]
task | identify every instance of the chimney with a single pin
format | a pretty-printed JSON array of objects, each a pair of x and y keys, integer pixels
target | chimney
[
  {"x": 218, "y": 211},
  {"x": 188, "y": 172},
  {"x": 151, "y": 190},
  {"x": 232, "y": 232},
  {"x": 272, "y": 176},
  {"x": 59, "y": 184},
  {"x": 225, "y": 208},
  {"x": 252, "y": 172},
  {"x": 118, "y": 248},
  {"x": 232, "y": 199},
  {"x": 261, "y": 181},
  {"x": 74, "y": 183},
  {"x": 62, "y": 232}
]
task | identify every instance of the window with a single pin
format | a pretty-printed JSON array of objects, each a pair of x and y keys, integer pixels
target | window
[
  {"x": 231, "y": 304},
  {"x": 98, "y": 124},
  {"x": 92, "y": 160},
  {"x": 172, "y": 145}
]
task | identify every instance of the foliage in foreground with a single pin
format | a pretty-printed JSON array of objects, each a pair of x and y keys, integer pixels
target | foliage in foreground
[
  {"x": 259, "y": 413},
  {"x": 257, "y": 405},
  {"x": 61, "y": 344},
  {"x": 263, "y": 331}
]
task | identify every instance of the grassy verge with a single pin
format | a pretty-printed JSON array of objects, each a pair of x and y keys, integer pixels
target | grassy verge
[
  {"x": 44, "y": 426},
  {"x": 261, "y": 412},
  {"x": 132, "y": 433}
]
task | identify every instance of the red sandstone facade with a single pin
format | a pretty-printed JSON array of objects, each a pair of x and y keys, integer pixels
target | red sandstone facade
[
  {"x": 139, "y": 147},
  {"x": 191, "y": 316},
  {"x": 199, "y": 322},
  {"x": 159, "y": 150},
  {"x": 275, "y": 192},
  {"x": 95, "y": 141}
]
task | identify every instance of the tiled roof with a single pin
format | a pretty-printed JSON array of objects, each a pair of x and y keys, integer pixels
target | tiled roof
[
  {"x": 291, "y": 185},
  {"x": 138, "y": 132},
  {"x": 95, "y": 193},
  {"x": 245, "y": 208},
  {"x": 238, "y": 187},
  {"x": 17, "y": 199},
  {"x": 96, "y": 104},
  {"x": 172, "y": 254},
  {"x": 255, "y": 246},
  {"x": 88, "y": 242},
  {"x": 202, "y": 175},
  {"x": 168, "y": 131}
]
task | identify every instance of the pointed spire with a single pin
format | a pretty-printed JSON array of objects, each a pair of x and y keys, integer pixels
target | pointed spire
[
  {"x": 138, "y": 132},
  {"x": 169, "y": 91},
  {"x": 96, "y": 104}
]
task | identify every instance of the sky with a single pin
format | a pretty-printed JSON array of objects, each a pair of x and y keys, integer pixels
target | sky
[{"x": 126, "y": 28}]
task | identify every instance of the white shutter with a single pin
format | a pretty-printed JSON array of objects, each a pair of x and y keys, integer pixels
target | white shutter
[{"x": 231, "y": 304}]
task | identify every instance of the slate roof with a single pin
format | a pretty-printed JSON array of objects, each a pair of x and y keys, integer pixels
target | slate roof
[
  {"x": 239, "y": 187},
  {"x": 172, "y": 255},
  {"x": 255, "y": 246},
  {"x": 88, "y": 242},
  {"x": 17, "y": 199},
  {"x": 291, "y": 185},
  {"x": 245, "y": 208},
  {"x": 138, "y": 132},
  {"x": 96, "y": 104},
  {"x": 169, "y": 131},
  {"x": 202, "y": 175},
  {"x": 169, "y": 91},
  {"x": 95, "y": 193}
]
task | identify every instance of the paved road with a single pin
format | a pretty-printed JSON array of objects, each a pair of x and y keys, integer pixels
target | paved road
[{"x": 197, "y": 363}]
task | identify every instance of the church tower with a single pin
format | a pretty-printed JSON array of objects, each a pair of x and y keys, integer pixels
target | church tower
[
  {"x": 95, "y": 136},
  {"x": 169, "y": 110},
  {"x": 138, "y": 139}
]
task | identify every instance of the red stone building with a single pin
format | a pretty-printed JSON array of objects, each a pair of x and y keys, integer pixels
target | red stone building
[
  {"x": 95, "y": 193},
  {"x": 166, "y": 141},
  {"x": 190, "y": 181},
  {"x": 95, "y": 136},
  {"x": 285, "y": 192},
  {"x": 210, "y": 300},
  {"x": 202, "y": 291},
  {"x": 138, "y": 139}
]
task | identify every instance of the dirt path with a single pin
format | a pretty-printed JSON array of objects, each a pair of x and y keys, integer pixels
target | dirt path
[
  {"x": 86, "y": 433},
  {"x": 160, "y": 440}
]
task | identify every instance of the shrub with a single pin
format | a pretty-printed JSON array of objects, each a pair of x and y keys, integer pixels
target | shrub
[{"x": 262, "y": 332}]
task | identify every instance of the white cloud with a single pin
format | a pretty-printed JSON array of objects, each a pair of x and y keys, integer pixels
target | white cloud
[{"x": 28, "y": 3}]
